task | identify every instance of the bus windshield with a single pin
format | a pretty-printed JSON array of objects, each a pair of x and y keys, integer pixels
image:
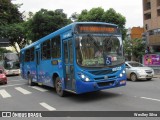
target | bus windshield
[{"x": 99, "y": 51}]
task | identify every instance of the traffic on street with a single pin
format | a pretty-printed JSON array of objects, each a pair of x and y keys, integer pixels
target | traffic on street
[{"x": 17, "y": 95}]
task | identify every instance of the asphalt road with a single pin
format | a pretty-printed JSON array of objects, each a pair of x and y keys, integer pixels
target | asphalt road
[{"x": 135, "y": 96}]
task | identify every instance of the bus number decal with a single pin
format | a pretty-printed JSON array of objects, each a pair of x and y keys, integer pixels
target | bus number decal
[{"x": 116, "y": 68}]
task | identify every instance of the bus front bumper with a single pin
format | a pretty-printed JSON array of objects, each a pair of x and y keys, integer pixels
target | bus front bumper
[{"x": 83, "y": 87}]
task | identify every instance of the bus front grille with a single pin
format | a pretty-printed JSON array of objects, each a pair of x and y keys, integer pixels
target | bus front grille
[
  {"x": 102, "y": 72},
  {"x": 103, "y": 78},
  {"x": 102, "y": 84}
]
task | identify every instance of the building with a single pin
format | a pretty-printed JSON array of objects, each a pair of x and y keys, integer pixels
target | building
[
  {"x": 151, "y": 18},
  {"x": 151, "y": 21},
  {"x": 135, "y": 32},
  {"x": 132, "y": 34}
]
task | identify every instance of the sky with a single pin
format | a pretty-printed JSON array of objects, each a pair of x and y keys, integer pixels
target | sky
[{"x": 131, "y": 9}]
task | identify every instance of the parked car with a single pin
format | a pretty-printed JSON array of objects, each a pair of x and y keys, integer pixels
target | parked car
[
  {"x": 3, "y": 78},
  {"x": 137, "y": 71}
]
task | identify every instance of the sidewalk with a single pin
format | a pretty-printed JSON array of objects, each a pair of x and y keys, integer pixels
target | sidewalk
[{"x": 157, "y": 76}]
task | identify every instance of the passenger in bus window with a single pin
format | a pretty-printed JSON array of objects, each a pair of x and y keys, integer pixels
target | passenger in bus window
[{"x": 99, "y": 53}]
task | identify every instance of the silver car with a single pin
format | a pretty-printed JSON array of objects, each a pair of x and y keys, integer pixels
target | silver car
[{"x": 137, "y": 71}]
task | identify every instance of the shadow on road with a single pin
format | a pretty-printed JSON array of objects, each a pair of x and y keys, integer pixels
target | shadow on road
[{"x": 92, "y": 96}]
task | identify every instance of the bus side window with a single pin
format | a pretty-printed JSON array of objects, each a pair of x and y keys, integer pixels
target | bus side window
[
  {"x": 46, "y": 52},
  {"x": 70, "y": 51},
  {"x": 66, "y": 52},
  {"x": 32, "y": 54},
  {"x": 56, "y": 47},
  {"x": 27, "y": 55}
]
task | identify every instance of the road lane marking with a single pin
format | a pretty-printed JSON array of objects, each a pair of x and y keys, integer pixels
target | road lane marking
[
  {"x": 38, "y": 88},
  {"x": 22, "y": 90},
  {"x": 48, "y": 107},
  {"x": 14, "y": 80},
  {"x": 12, "y": 85},
  {"x": 151, "y": 99},
  {"x": 4, "y": 94}
]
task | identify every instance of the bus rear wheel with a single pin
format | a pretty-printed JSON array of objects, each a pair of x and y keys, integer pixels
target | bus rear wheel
[{"x": 58, "y": 86}]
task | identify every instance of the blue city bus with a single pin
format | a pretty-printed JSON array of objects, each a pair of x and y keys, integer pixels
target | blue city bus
[{"x": 68, "y": 59}]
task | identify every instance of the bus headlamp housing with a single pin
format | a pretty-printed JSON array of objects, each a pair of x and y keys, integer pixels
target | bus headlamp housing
[
  {"x": 84, "y": 77},
  {"x": 121, "y": 74}
]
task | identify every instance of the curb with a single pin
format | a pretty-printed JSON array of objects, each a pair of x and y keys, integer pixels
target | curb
[{"x": 156, "y": 76}]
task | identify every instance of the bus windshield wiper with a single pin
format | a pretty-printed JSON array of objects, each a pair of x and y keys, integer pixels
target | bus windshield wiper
[
  {"x": 109, "y": 41},
  {"x": 93, "y": 41}
]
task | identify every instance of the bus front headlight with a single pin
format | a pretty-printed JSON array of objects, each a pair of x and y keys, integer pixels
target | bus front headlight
[
  {"x": 123, "y": 73},
  {"x": 84, "y": 77}
]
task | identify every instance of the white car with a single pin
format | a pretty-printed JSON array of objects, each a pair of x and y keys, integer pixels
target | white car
[{"x": 137, "y": 71}]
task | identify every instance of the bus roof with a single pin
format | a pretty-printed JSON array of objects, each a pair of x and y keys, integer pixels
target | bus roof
[{"x": 62, "y": 30}]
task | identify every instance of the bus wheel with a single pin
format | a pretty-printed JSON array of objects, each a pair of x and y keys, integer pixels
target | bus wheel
[
  {"x": 30, "y": 81},
  {"x": 58, "y": 86}
]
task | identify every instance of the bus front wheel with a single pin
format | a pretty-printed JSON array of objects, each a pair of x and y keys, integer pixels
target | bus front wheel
[{"x": 58, "y": 86}]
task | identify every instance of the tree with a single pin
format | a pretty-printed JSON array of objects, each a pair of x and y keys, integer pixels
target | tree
[
  {"x": 134, "y": 48},
  {"x": 44, "y": 22},
  {"x": 74, "y": 16},
  {"x": 138, "y": 49},
  {"x": 9, "y": 13},
  {"x": 127, "y": 49},
  {"x": 3, "y": 50},
  {"x": 11, "y": 23},
  {"x": 16, "y": 33},
  {"x": 95, "y": 14},
  {"x": 99, "y": 15}
]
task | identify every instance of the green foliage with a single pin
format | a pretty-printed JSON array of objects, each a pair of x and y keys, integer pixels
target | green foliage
[
  {"x": 11, "y": 22},
  {"x": 111, "y": 16},
  {"x": 4, "y": 50},
  {"x": 99, "y": 15},
  {"x": 9, "y": 13},
  {"x": 44, "y": 22},
  {"x": 95, "y": 14},
  {"x": 15, "y": 33},
  {"x": 138, "y": 48},
  {"x": 135, "y": 48},
  {"x": 74, "y": 16}
]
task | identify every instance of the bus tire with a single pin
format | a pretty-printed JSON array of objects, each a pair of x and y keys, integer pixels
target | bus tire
[
  {"x": 30, "y": 80},
  {"x": 58, "y": 86}
]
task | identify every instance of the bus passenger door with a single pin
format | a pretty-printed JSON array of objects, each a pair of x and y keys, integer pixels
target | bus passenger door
[
  {"x": 22, "y": 63},
  {"x": 37, "y": 65},
  {"x": 68, "y": 65}
]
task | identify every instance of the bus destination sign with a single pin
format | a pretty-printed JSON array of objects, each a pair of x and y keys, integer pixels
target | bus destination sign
[{"x": 96, "y": 29}]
